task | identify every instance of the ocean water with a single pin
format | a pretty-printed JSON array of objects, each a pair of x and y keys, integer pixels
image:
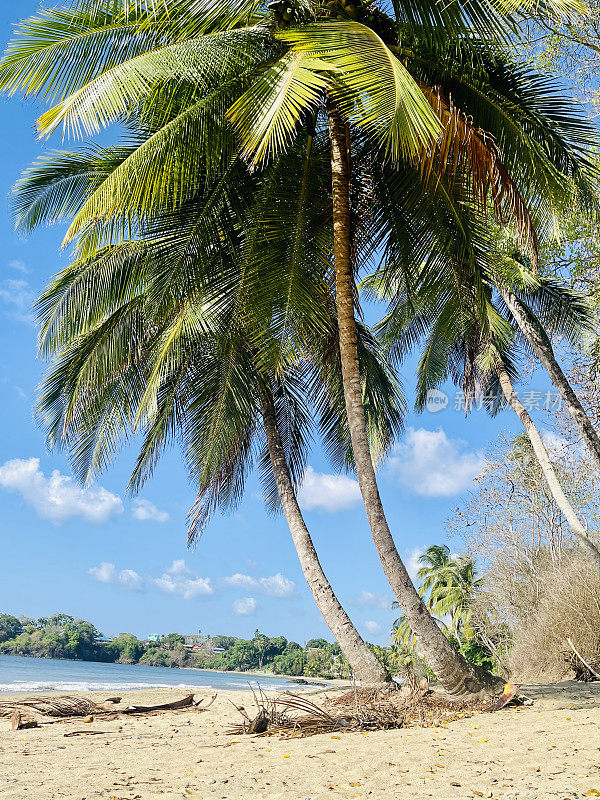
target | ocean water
[{"x": 19, "y": 674}]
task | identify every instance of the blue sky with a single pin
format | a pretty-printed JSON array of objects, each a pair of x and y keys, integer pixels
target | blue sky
[{"x": 124, "y": 564}]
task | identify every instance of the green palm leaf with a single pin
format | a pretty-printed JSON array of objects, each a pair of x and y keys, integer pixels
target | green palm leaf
[
  {"x": 268, "y": 114},
  {"x": 372, "y": 88},
  {"x": 58, "y": 184},
  {"x": 165, "y": 169},
  {"x": 205, "y": 62},
  {"x": 58, "y": 51}
]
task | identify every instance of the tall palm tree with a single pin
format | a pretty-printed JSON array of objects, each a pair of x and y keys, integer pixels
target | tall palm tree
[
  {"x": 149, "y": 335},
  {"x": 471, "y": 150},
  {"x": 118, "y": 57}
]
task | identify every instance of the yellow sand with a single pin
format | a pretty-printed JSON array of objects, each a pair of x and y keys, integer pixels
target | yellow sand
[{"x": 548, "y": 750}]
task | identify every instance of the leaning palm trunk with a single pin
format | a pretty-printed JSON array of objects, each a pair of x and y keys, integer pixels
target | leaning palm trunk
[
  {"x": 543, "y": 350},
  {"x": 368, "y": 671},
  {"x": 539, "y": 448},
  {"x": 454, "y": 672}
]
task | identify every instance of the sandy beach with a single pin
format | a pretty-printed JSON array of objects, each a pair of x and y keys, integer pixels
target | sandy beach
[{"x": 546, "y": 750}]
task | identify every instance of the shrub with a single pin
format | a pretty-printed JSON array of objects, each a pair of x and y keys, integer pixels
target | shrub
[{"x": 569, "y": 607}]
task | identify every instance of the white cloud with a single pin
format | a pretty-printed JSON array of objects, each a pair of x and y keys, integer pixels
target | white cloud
[
  {"x": 374, "y": 628},
  {"x": 373, "y": 599},
  {"x": 327, "y": 492},
  {"x": 274, "y": 586},
  {"x": 20, "y": 266},
  {"x": 145, "y": 510},
  {"x": 17, "y": 295},
  {"x": 58, "y": 497},
  {"x": 245, "y": 607},
  {"x": 127, "y": 578},
  {"x": 105, "y": 572},
  {"x": 180, "y": 580},
  {"x": 430, "y": 464},
  {"x": 556, "y": 444},
  {"x": 130, "y": 579},
  {"x": 413, "y": 565}
]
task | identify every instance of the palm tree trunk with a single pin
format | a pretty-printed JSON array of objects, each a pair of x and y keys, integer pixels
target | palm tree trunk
[
  {"x": 368, "y": 671},
  {"x": 539, "y": 448},
  {"x": 456, "y": 675},
  {"x": 543, "y": 350}
]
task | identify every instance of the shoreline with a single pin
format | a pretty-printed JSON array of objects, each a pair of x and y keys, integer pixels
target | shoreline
[{"x": 298, "y": 681}]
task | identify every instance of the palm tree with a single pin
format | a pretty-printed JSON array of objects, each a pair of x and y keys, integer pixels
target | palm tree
[
  {"x": 114, "y": 61},
  {"x": 469, "y": 338},
  {"x": 449, "y": 584},
  {"x": 448, "y": 666},
  {"x": 436, "y": 561},
  {"x": 186, "y": 366}
]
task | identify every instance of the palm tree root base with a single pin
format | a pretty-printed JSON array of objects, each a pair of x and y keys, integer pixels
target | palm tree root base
[{"x": 292, "y": 716}]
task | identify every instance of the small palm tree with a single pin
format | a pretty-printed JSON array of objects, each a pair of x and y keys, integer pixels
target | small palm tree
[
  {"x": 436, "y": 561},
  {"x": 449, "y": 585},
  {"x": 452, "y": 585}
]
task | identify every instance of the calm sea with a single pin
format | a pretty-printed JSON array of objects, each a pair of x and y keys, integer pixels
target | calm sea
[{"x": 19, "y": 674}]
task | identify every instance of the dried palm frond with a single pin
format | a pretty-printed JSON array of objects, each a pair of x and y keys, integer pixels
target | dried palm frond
[
  {"x": 38, "y": 708},
  {"x": 64, "y": 706},
  {"x": 469, "y": 155},
  {"x": 292, "y": 716}
]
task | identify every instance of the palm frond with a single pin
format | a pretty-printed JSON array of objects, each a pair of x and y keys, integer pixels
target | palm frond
[
  {"x": 57, "y": 185},
  {"x": 268, "y": 115},
  {"x": 373, "y": 89},
  {"x": 205, "y": 62}
]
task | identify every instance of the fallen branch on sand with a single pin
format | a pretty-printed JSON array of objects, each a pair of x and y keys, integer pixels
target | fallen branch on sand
[
  {"x": 583, "y": 670},
  {"x": 185, "y": 702},
  {"x": 33, "y": 711}
]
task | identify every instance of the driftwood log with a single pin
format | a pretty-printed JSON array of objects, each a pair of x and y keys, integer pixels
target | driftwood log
[
  {"x": 33, "y": 711},
  {"x": 185, "y": 702}
]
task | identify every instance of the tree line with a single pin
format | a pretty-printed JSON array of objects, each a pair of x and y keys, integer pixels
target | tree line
[{"x": 64, "y": 636}]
